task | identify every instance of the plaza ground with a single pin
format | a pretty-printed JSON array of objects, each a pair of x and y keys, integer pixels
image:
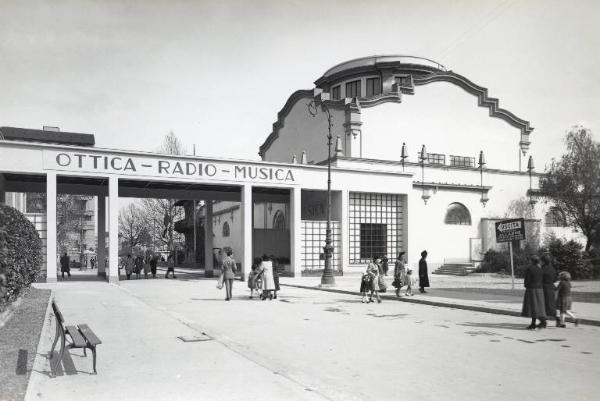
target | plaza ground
[{"x": 307, "y": 345}]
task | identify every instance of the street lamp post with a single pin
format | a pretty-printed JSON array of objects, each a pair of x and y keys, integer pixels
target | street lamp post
[{"x": 327, "y": 278}]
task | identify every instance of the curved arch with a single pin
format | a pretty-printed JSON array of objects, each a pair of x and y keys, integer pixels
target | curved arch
[
  {"x": 555, "y": 217},
  {"x": 279, "y": 221},
  {"x": 457, "y": 214}
]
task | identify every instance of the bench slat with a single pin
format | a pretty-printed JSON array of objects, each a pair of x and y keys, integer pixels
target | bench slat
[
  {"x": 78, "y": 340},
  {"x": 89, "y": 334}
]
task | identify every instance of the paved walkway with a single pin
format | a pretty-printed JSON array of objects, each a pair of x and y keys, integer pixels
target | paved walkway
[
  {"x": 480, "y": 293},
  {"x": 307, "y": 345}
]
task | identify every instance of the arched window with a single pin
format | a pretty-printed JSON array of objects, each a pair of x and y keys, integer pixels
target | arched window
[
  {"x": 457, "y": 213},
  {"x": 555, "y": 218},
  {"x": 226, "y": 230},
  {"x": 279, "y": 221}
]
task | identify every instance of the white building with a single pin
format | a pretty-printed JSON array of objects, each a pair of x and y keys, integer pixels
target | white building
[{"x": 442, "y": 199}]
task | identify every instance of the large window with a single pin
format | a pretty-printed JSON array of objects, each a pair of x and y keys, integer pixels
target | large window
[
  {"x": 353, "y": 89},
  {"x": 375, "y": 226},
  {"x": 373, "y": 86},
  {"x": 403, "y": 81},
  {"x": 458, "y": 214},
  {"x": 335, "y": 93},
  {"x": 555, "y": 218},
  {"x": 434, "y": 158},
  {"x": 373, "y": 240}
]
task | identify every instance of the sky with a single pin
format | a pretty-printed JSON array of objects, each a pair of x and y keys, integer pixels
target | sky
[{"x": 216, "y": 73}]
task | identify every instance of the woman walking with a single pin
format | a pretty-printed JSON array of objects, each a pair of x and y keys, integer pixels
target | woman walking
[
  {"x": 533, "y": 301},
  {"x": 423, "y": 276},
  {"x": 399, "y": 273},
  {"x": 170, "y": 266},
  {"x": 129, "y": 264},
  {"x": 373, "y": 272},
  {"x": 549, "y": 276},
  {"x": 268, "y": 284},
  {"x": 563, "y": 299},
  {"x": 229, "y": 268}
]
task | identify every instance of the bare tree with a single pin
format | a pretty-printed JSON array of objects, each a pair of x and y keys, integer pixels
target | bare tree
[
  {"x": 133, "y": 226},
  {"x": 161, "y": 214},
  {"x": 520, "y": 208}
]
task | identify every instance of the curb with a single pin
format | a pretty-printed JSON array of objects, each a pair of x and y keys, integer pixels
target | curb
[{"x": 474, "y": 308}]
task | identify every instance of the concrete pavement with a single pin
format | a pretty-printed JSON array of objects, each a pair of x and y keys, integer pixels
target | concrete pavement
[
  {"x": 491, "y": 295},
  {"x": 307, "y": 345}
]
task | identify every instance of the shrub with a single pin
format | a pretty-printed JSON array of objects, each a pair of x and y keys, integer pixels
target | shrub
[
  {"x": 20, "y": 254},
  {"x": 499, "y": 261},
  {"x": 568, "y": 256}
]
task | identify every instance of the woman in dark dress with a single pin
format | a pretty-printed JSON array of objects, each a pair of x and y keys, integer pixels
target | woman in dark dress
[
  {"x": 549, "y": 276},
  {"x": 533, "y": 301},
  {"x": 423, "y": 276}
]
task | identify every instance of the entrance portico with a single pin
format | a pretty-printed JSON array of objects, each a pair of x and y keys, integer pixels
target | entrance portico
[{"x": 110, "y": 174}]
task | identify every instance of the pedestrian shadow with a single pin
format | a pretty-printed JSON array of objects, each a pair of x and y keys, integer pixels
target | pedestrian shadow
[{"x": 508, "y": 326}]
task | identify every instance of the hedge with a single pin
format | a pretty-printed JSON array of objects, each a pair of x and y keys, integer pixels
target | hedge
[{"x": 20, "y": 254}]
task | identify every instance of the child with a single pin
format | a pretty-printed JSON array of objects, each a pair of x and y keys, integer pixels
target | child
[
  {"x": 563, "y": 298},
  {"x": 409, "y": 282}
]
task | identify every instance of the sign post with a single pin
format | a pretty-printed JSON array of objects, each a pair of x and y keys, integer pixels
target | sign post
[{"x": 509, "y": 231}]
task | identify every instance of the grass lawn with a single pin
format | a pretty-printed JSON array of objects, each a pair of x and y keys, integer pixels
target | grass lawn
[{"x": 19, "y": 339}]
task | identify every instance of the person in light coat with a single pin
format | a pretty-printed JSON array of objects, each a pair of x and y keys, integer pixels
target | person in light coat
[
  {"x": 268, "y": 284},
  {"x": 229, "y": 268}
]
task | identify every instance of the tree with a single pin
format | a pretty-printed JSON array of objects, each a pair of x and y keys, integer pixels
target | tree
[
  {"x": 573, "y": 183},
  {"x": 133, "y": 226},
  {"x": 162, "y": 213}
]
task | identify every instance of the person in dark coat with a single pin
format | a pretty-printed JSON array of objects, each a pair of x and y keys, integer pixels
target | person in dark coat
[
  {"x": 549, "y": 276},
  {"x": 65, "y": 265},
  {"x": 423, "y": 276},
  {"x": 153, "y": 264},
  {"x": 533, "y": 301}
]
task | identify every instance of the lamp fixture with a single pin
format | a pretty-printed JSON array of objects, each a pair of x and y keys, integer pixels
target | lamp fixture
[
  {"x": 484, "y": 196},
  {"x": 530, "y": 168},
  {"x": 422, "y": 158}
]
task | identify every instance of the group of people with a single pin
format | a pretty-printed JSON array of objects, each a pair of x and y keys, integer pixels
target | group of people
[
  {"x": 146, "y": 265},
  {"x": 543, "y": 298},
  {"x": 373, "y": 281},
  {"x": 263, "y": 278}
]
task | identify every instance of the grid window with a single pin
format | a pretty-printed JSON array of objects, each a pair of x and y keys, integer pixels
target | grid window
[
  {"x": 373, "y": 86},
  {"x": 353, "y": 89},
  {"x": 335, "y": 93},
  {"x": 462, "y": 161},
  {"x": 375, "y": 226},
  {"x": 373, "y": 240},
  {"x": 313, "y": 240},
  {"x": 434, "y": 158}
]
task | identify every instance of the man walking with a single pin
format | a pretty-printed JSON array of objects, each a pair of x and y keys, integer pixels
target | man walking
[
  {"x": 229, "y": 268},
  {"x": 64, "y": 265}
]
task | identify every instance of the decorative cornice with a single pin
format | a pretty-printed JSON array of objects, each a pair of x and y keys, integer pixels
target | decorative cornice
[
  {"x": 277, "y": 125},
  {"x": 482, "y": 97},
  {"x": 451, "y": 187}
]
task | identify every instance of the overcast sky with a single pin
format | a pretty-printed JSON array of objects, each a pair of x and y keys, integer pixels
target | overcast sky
[{"x": 216, "y": 73}]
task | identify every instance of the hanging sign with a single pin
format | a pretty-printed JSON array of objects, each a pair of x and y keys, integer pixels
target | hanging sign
[{"x": 510, "y": 230}]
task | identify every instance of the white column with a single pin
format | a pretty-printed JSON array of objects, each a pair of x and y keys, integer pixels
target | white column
[
  {"x": 246, "y": 207},
  {"x": 345, "y": 231},
  {"x": 101, "y": 249},
  {"x": 113, "y": 229},
  {"x": 295, "y": 231},
  {"x": 208, "y": 238},
  {"x": 51, "y": 227}
]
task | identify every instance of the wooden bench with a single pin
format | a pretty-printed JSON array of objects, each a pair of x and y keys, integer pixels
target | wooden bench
[{"x": 81, "y": 336}]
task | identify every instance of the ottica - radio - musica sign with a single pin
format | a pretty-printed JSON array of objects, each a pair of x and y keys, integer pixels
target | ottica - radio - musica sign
[{"x": 163, "y": 167}]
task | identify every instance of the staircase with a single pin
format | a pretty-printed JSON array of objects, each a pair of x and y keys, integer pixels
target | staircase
[{"x": 456, "y": 267}]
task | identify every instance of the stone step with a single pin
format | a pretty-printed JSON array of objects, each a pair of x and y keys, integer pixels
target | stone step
[{"x": 455, "y": 269}]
